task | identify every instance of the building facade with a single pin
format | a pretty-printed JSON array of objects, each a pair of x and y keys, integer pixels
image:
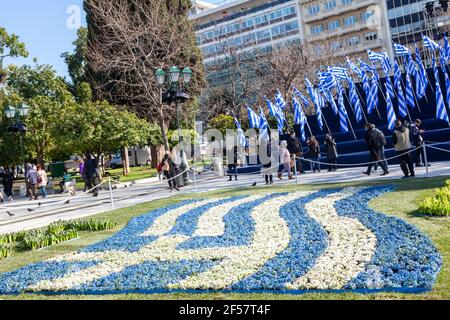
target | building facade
[
  {"x": 409, "y": 19},
  {"x": 348, "y": 27}
]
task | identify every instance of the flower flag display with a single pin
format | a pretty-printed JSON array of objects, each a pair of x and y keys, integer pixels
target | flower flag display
[{"x": 221, "y": 244}]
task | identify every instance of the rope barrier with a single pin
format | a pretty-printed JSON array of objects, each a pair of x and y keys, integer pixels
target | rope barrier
[{"x": 440, "y": 149}]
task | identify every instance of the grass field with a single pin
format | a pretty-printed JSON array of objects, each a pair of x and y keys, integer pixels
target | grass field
[{"x": 403, "y": 203}]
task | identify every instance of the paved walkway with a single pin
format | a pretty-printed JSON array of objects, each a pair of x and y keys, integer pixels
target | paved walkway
[{"x": 35, "y": 214}]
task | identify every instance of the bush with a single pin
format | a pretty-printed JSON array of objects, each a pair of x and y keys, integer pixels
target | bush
[
  {"x": 53, "y": 235},
  {"x": 438, "y": 204},
  {"x": 12, "y": 237},
  {"x": 91, "y": 225},
  {"x": 5, "y": 251}
]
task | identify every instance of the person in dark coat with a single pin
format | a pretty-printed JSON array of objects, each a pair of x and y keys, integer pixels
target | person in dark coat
[
  {"x": 314, "y": 153},
  {"x": 267, "y": 170},
  {"x": 375, "y": 147},
  {"x": 8, "y": 182},
  {"x": 170, "y": 172},
  {"x": 232, "y": 165},
  {"x": 296, "y": 149},
  {"x": 416, "y": 134},
  {"x": 92, "y": 174},
  {"x": 332, "y": 154}
]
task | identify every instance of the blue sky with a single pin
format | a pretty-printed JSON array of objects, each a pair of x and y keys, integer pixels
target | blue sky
[{"x": 42, "y": 25}]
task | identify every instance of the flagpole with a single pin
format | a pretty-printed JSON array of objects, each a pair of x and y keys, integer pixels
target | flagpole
[{"x": 326, "y": 123}]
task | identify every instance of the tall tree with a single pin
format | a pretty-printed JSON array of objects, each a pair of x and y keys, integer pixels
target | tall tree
[{"x": 128, "y": 41}]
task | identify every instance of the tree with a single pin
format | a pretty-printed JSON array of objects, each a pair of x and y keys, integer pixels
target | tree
[
  {"x": 47, "y": 96},
  {"x": 222, "y": 123},
  {"x": 10, "y": 46},
  {"x": 128, "y": 41},
  {"x": 76, "y": 63}
]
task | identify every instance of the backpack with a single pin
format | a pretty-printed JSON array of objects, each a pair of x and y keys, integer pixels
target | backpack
[{"x": 381, "y": 139}]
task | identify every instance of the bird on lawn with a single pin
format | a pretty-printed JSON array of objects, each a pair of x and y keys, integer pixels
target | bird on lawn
[
  {"x": 254, "y": 184},
  {"x": 10, "y": 214},
  {"x": 30, "y": 210},
  {"x": 39, "y": 204},
  {"x": 67, "y": 202}
]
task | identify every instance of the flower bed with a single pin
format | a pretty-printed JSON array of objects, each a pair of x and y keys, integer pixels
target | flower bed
[{"x": 282, "y": 242}]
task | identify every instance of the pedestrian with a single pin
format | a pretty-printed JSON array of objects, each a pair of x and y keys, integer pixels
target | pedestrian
[
  {"x": 169, "y": 171},
  {"x": 314, "y": 153},
  {"x": 32, "y": 182},
  {"x": 160, "y": 171},
  {"x": 381, "y": 140},
  {"x": 8, "y": 181},
  {"x": 232, "y": 165},
  {"x": 66, "y": 179},
  {"x": 42, "y": 181},
  {"x": 402, "y": 145},
  {"x": 416, "y": 136},
  {"x": 375, "y": 143},
  {"x": 285, "y": 159},
  {"x": 296, "y": 150},
  {"x": 267, "y": 170},
  {"x": 332, "y": 154},
  {"x": 82, "y": 174},
  {"x": 92, "y": 174}
]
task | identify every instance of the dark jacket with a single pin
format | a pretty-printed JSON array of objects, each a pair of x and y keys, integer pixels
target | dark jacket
[
  {"x": 90, "y": 168},
  {"x": 330, "y": 145},
  {"x": 313, "y": 151},
  {"x": 294, "y": 146},
  {"x": 373, "y": 144},
  {"x": 8, "y": 179}
]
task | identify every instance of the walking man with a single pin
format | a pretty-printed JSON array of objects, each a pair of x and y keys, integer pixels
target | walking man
[
  {"x": 32, "y": 182},
  {"x": 376, "y": 148},
  {"x": 92, "y": 174},
  {"x": 402, "y": 145}
]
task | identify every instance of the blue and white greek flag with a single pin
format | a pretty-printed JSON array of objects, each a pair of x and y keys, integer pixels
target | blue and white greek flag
[
  {"x": 373, "y": 96},
  {"x": 441, "y": 111},
  {"x": 366, "y": 67},
  {"x": 446, "y": 48},
  {"x": 338, "y": 72},
  {"x": 374, "y": 56},
  {"x": 410, "y": 93},
  {"x": 330, "y": 99},
  {"x": 263, "y": 126},
  {"x": 240, "y": 132},
  {"x": 391, "y": 117},
  {"x": 354, "y": 68},
  {"x": 355, "y": 101},
  {"x": 343, "y": 116},
  {"x": 447, "y": 79},
  {"x": 273, "y": 109},
  {"x": 279, "y": 100},
  {"x": 327, "y": 81},
  {"x": 316, "y": 99},
  {"x": 397, "y": 74},
  {"x": 390, "y": 88},
  {"x": 401, "y": 50},
  {"x": 410, "y": 66},
  {"x": 301, "y": 96},
  {"x": 436, "y": 71},
  {"x": 421, "y": 86},
  {"x": 253, "y": 119},
  {"x": 299, "y": 116},
  {"x": 387, "y": 62},
  {"x": 430, "y": 44},
  {"x": 402, "y": 108}
]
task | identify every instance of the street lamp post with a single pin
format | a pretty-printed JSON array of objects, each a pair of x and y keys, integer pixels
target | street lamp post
[
  {"x": 176, "y": 94},
  {"x": 19, "y": 127}
]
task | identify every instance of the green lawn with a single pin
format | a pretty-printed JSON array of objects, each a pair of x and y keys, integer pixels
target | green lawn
[{"x": 403, "y": 203}]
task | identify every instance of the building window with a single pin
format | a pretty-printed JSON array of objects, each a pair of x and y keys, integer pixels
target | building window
[
  {"x": 347, "y": 2},
  {"x": 349, "y": 21},
  {"x": 353, "y": 41},
  {"x": 335, "y": 45},
  {"x": 313, "y": 10},
  {"x": 370, "y": 36},
  {"x": 288, "y": 11},
  {"x": 292, "y": 26},
  {"x": 275, "y": 15},
  {"x": 330, "y": 5},
  {"x": 261, "y": 19},
  {"x": 317, "y": 29},
  {"x": 367, "y": 15},
  {"x": 263, "y": 35},
  {"x": 332, "y": 25}
]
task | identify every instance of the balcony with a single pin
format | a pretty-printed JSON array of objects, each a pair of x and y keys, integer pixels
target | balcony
[
  {"x": 338, "y": 10},
  {"x": 358, "y": 26}
]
